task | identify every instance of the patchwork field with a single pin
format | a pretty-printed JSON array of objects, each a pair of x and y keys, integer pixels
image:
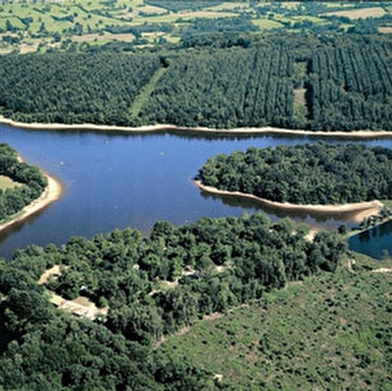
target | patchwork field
[{"x": 96, "y": 22}]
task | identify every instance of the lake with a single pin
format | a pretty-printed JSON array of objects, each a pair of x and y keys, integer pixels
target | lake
[{"x": 116, "y": 180}]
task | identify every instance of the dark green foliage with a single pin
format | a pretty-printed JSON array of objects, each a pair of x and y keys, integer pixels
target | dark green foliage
[
  {"x": 73, "y": 88},
  {"x": 227, "y": 88},
  {"x": 221, "y": 25},
  {"x": 220, "y": 79},
  {"x": 13, "y": 200},
  {"x": 48, "y": 349},
  {"x": 61, "y": 353},
  {"x": 304, "y": 174},
  {"x": 133, "y": 274},
  {"x": 350, "y": 85}
]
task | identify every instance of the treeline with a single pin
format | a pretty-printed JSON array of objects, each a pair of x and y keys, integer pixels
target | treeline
[
  {"x": 304, "y": 174},
  {"x": 31, "y": 183},
  {"x": 153, "y": 286},
  {"x": 222, "y": 80}
]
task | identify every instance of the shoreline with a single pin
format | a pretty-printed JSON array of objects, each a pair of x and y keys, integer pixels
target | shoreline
[
  {"x": 361, "y": 209},
  {"x": 267, "y": 130},
  {"x": 52, "y": 193}
]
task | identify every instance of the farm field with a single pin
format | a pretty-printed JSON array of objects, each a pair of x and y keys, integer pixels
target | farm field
[{"x": 75, "y": 24}]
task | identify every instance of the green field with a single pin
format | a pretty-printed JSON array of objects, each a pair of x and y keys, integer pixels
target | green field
[
  {"x": 42, "y": 26},
  {"x": 330, "y": 332},
  {"x": 7, "y": 183}
]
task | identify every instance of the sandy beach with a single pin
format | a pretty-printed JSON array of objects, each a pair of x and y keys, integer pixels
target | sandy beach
[
  {"x": 52, "y": 193},
  {"x": 267, "y": 130},
  {"x": 360, "y": 209}
]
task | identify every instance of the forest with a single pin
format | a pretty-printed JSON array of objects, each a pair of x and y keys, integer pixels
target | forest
[
  {"x": 153, "y": 286},
  {"x": 73, "y": 88},
  {"x": 317, "y": 173},
  {"x": 30, "y": 183},
  {"x": 219, "y": 80},
  {"x": 350, "y": 86}
]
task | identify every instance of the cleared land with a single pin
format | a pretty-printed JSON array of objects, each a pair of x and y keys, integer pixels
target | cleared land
[
  {"x": 7, "y": 183},
  {"x": 374, "y": 12},
  {"x": 103, "y": 37},
  {"x": 385, "y": 30}
]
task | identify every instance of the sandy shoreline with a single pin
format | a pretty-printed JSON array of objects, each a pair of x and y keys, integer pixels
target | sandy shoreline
[
  {"x": 267, "y": 130},
  {"x": 361, "y": 209},
  {"x": 52, "y": 193}
]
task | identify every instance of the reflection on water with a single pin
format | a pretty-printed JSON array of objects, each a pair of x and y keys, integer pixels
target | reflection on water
[
  {"x": 375, "y": 242},
  {"x": 316, "y": 219},
  {"x": 116, "y": 179}
]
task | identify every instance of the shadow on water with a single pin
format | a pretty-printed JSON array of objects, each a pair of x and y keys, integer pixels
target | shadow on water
[
  {"x": 319, "y": 219},
  {"x": 375, "y": 242}
]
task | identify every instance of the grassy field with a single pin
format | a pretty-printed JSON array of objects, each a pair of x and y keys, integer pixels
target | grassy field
[
  {"x": 145, "y": 93},
  {"x": 86, "y": 21},
  {"x": 7, "y": 183},
  {"x": 330, "y": 332}
]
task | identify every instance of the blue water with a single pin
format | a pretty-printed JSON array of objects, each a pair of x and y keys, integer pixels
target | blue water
[
  {"x": 376, "y": 242},
  {"x": 117, "y": 180}
]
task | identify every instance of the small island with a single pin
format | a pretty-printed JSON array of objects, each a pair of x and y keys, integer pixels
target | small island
[
  {"x": 314, "y": 177},
  {"x": 24, "y": 189}
]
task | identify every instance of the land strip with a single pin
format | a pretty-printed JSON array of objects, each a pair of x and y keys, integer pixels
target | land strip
[
  {"x": 264, "y": 131},
  {"x": 361, "y": 209},
  {"x": 52, "y": 193}
]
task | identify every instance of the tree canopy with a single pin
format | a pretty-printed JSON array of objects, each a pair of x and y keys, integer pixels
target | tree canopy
[
  {"x": 32, "y": 183},
  {"x": 154, "y": 286},
  {"x": 304, "y": 174},
  {"x": 221, "y": 80}
]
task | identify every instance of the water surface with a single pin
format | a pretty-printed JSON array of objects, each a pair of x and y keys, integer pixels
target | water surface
[{"x": 116, "y": 180}]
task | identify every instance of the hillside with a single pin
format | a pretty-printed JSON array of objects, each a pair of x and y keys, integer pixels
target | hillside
[{"x": 329, "y": 332}]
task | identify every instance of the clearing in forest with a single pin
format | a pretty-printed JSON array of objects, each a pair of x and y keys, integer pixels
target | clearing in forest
[{"x": 7, "y": 183}]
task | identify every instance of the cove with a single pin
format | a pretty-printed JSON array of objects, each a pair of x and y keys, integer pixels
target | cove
[{"x": 116, "y": 180}]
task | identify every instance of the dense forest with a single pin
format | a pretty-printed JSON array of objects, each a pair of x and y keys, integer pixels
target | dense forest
[
  {"x": 30, "y": 183},
  {"x": 225, "y": 89},
  {"x": 304, "y": 174},
  {"x": 218, "y": 80},
  {"x": 153, "y": 286},
  {"x": 73, "y": 88},
  {"x": 350, "y": 86}
]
